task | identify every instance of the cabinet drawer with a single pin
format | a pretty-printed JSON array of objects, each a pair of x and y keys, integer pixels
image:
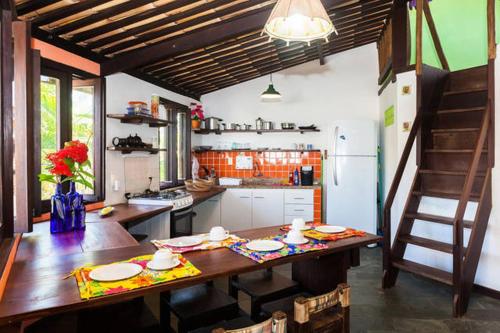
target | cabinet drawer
[
  {"x": 299, "y": 210},
  {"x": 289, "y": 219},
  {"x": 305, "y": 197}
]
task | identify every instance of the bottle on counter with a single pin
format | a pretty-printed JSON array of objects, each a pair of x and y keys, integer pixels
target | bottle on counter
[
  {"x": 296, "y": 180},
  {"x": 290, "y": 178}
]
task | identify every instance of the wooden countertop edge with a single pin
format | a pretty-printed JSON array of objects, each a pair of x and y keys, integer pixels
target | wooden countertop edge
[
  {"x": 156, "y": 210},
  {"x": 8, "y": 265}
]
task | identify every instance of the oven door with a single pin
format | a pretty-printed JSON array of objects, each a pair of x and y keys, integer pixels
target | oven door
[{"x": 181, "y": 222}]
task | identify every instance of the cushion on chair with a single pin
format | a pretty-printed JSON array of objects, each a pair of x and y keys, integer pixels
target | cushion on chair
[{"x": 267, "y": 285}]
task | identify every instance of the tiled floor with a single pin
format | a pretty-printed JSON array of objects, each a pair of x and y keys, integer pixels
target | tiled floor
[{"x": 413, "y": 305}]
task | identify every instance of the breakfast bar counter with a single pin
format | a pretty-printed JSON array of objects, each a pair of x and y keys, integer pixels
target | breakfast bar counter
[
  {"x": 199, "y": 197},
  {"x": 37, "y": 287},
  {"x": 125, "y": 213}
]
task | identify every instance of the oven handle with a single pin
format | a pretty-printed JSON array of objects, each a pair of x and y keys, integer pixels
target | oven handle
[{"x": 183, "y": 213}]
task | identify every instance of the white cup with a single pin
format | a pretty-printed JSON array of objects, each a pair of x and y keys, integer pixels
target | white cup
[
  {"x": 164, "y": 257},
  {"x": 218, "y": 234},
  {"x": 298, "y": 224},
  {"x": 294, "y": 236}
]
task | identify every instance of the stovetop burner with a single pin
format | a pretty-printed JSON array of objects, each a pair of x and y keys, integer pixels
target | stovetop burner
[{"x": 178, "y": 198}]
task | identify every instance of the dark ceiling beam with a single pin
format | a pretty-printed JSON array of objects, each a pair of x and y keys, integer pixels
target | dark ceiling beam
[
  {"x": 91, "y": 33},
  {"x": 31, "y": 6},
  {"x": 178, "y": 27},
  {"x": 66, "y": 11},
  {"x": 192, "y": 41},
  {"x": 101, "y": 15}
]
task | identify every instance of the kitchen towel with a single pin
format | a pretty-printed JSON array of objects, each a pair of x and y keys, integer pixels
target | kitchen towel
[
  {"x": 206, "y": 245},
  {"x": 90, "y": 288},
  {"x": 287, "y": 250}
]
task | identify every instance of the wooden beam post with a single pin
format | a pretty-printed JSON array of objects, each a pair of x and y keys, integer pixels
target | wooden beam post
[
  {"x": 23, "y": 126},
  {"x": 6, "y": 123},
  {"x": 492, "y": 46},
  {"x": 400, "y": 36},
  {"x": 419, "y": 60}
]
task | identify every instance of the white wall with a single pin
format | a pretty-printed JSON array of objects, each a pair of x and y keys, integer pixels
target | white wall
[
  {"x": 344, "y": 88},
  {"x": 121, "y": 88},
  {"x": 393, "y": 140}
]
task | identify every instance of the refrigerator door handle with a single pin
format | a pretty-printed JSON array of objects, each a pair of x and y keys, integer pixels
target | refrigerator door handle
[{"x": 335, "y": 178}]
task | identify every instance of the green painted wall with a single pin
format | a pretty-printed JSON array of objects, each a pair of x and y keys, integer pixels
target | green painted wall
[{"x": 462, "y": 29}]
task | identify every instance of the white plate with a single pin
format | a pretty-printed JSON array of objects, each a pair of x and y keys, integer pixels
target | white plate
[
  {"x": 330, "y": 229},
  {"x": 115, "y": 272},
  {"x": 184, "y": 241},
  {"x": 303, "y": 241},
  {"x": 264, "y": 245},
  {"x": 154, "y": 266}
]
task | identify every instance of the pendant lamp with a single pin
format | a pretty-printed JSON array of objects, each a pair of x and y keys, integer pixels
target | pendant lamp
[
  {"x": 271, "y": 95},
  {"x": 299, "y": 21}
]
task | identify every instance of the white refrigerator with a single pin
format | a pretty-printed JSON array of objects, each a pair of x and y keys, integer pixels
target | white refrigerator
[{"x": 351, "y": 199}]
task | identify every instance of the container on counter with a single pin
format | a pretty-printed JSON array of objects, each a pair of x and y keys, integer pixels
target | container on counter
[{"x": 155, "y": 106}]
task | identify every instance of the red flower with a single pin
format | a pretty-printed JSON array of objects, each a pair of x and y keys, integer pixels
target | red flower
[
  {"x": 76, "y": 151},
  {"x": 61, "y": 169}
]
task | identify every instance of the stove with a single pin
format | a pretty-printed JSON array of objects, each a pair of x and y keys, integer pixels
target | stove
[{"x": 178, "y": 199}]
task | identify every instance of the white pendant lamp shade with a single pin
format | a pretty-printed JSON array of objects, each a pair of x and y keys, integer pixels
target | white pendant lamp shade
[{"x": 299, "y": 20}]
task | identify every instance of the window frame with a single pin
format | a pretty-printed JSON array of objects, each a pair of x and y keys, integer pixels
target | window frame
[
  {"x": 172, "y": 109},
  {"x": 67, "y": 75}
]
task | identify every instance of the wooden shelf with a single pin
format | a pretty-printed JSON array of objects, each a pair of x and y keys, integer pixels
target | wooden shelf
[
  {"x": 139, "y": 120},
  {"x": 129, "y": 150},
  {"x": 218, "y": 132}
]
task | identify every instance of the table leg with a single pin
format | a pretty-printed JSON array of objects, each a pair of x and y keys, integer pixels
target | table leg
[
  {"x": 322, "y": 274},
  {"x": 12, "y": 328}
]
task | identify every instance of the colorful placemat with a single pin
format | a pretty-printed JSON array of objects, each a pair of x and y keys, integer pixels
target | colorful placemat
[
  {"x": 206, "y": 245},
  {"x": 334, "y": 237},
  {"x": 90, "y": 288},
  {"x": 287, "y": 250}
]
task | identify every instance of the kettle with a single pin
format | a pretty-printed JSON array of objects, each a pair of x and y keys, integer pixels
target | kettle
[{"x": 259, "y": 123}]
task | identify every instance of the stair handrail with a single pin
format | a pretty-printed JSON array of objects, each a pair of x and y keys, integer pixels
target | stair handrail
[
  {"x": 389, "y": 201},
  {"x": 458, "y": 221}
]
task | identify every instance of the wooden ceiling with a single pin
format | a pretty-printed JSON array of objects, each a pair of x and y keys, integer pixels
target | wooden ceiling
[{"x": 192, "y": 46}]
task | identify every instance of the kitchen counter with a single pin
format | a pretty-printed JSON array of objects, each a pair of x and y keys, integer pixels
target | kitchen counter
[
  {"x": 125, "y": 213},
  {"x": 199, "y": 197},
  {"x": 276, "y": 186}
]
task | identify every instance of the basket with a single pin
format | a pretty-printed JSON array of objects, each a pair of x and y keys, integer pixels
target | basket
[{"x": 199, "y": 185}]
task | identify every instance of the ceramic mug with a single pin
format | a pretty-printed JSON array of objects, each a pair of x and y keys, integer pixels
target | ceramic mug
[
  {"x": 294, "y": 236},
  {"x": 218, "y": 234},
  {"x": 298, "y": 224},
  {"x": 164, "y": 257}
]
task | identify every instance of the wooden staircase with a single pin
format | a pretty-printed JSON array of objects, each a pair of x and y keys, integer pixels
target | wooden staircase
[{"x": 454, "y": 134}]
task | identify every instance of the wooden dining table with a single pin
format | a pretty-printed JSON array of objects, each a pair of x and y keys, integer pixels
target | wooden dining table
[{"x": 37, "y": 286}]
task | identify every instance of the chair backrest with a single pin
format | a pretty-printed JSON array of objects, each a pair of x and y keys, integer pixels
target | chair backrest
[
  {"x": 308, "y": 311},
  {"x": 275, "y": 324}
]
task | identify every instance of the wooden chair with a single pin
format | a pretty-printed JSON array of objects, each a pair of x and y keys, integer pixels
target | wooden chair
[
  {"x": 327, "y": 313},
  {"x": 263, "y": 287},
  {"x": 275, "y": 324}
]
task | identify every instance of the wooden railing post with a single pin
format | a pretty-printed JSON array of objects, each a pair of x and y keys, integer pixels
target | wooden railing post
[
  {"x": 492, "y": 53},
  {"x": 419, "y": 60},
  {"x": 435, "y": 37}
]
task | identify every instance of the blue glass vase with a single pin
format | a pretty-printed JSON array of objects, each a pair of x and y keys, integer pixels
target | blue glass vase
[
  {"x": 59, "y": 212},
  {"x": 77, "y": 208}
]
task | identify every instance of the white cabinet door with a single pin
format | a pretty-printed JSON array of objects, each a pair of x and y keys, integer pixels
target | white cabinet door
[
  {"x": 267, "y": 208},
  {"x": 236, "y": 209},
  {"x": 208, "y": 215}
]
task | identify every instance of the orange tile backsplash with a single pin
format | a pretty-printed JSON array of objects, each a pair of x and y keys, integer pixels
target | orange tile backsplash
[{"x": 271, "y": 164}]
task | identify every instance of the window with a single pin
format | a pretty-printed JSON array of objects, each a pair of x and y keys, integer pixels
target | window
[
  {"x": 174, "y": 144},
  {"x": 71, "y": 109}
]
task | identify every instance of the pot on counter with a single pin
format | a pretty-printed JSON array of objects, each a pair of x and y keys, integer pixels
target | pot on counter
[
  {"x": 287, "y": 126},
  {"x": 247, "y": 127},
  {"x": 259, "y": 123},
  {"x": 212, "y": 123}
]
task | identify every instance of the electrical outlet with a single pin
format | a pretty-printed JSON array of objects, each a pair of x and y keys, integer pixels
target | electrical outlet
[
  {"x": 406, "y": 90},
  {"x": 229, "y": 161}
]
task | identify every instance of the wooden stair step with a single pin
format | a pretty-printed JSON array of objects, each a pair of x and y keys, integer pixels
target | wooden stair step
[
  {"x": 423, "y": 270},
  {"x": 452, "y": 151},
  {"x": 445, "y": 195},
  {"x": 427, "y": 243},
  {"x": 460, "y": 110},
  {"x": 454, "y": 130},
  {"x": 449, "y": 173},
  {"x": 436, "y": 219},
  {"x": 464, "y": 91}
]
